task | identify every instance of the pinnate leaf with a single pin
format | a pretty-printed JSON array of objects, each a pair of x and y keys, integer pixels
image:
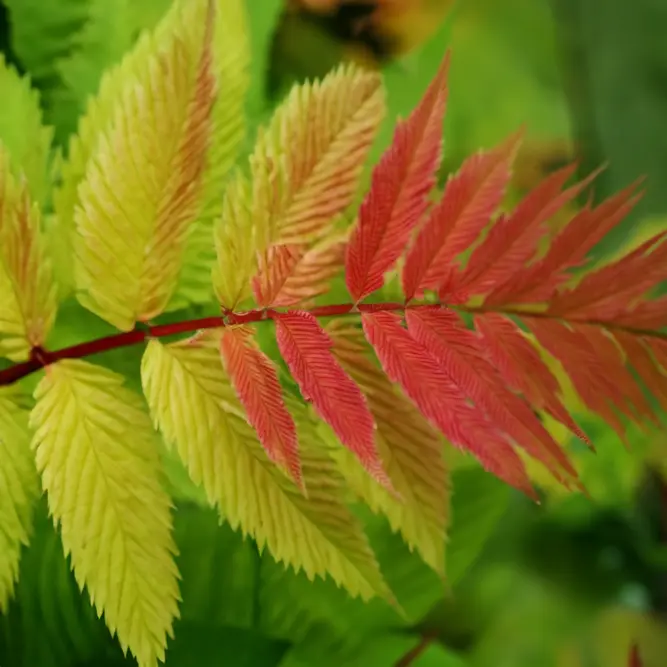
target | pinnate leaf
[
  {"x": 20, "y": 488},
  {"x": 304, "y": 172},
  {"x": 398, "y": 195},
  {"x": 410, "y": 449},
  {"x": 255, "y": 380},
  {"x": 306, "y": 349},
  {"x": 143, "y": 181},
  {"x": 27, "y": 291},
  {"x": 99, "y": 463},
  {"x": 195, "y": 406}
]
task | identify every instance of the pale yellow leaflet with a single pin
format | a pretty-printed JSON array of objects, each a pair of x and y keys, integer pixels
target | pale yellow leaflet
[
  {"x": 98, "y": 458},
  {"x": 143, "y": 182},
  {"x": 304, "y": 172},
  {"x": 195, "y": 407},
  {"x": 19, "y": 487},
  {"x": 27, "y": 292},
  {"x": 411, "y": 451}
]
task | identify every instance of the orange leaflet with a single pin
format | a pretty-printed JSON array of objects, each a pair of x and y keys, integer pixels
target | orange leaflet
[
  {"x": 471, "y": 196},
  {"x": 409, "y": 364},
  {"x": 306, "y": 349},
  {"x": 255, "y": 381},
  {"x": 398, "y": 196},
  {"x": 294, "y": 274},
  {"x": 461, "y": 356},
  {"x": 521, "y": 366}
]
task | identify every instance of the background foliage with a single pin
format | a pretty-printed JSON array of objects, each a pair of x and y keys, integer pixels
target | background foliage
[{"x": 568, "y": 584}]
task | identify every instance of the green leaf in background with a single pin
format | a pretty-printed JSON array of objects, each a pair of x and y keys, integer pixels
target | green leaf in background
[
  {"x": 65, "y": 45},
  {"x": 21, "y": 130},
  {"x": 219, "y": 569},
  {"x": 384, "y": 650},
  {"x": 615, "y": 60},
  {"x": 261, "y": 25},
  {"x": 209, "y": 645},
  {"x": 504, "y": 74},
  {"x": 478, "y": 503},
  {"x": 50, "y": 623}
]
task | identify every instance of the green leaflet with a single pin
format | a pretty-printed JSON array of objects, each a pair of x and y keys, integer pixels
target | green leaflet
[{"x": 26, "y": 139}]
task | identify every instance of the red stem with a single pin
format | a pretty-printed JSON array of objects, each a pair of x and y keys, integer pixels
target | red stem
[{"x": 41, "y": 358}]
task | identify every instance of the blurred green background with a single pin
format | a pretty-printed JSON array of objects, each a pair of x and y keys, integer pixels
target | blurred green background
[{"x": 569, "y": 583}]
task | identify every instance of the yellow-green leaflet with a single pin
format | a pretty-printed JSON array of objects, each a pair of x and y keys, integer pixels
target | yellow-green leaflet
[
  {"x": 19, "y": 487},
  {"x": 142, "y": 187},
  {"x": 195, "y": 407},
  {"x": 181, "y": 29},
  {"x": 98, "y": 458}
]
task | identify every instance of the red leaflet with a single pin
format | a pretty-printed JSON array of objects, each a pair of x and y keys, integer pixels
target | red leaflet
[
  {"x": 398, "y": 196},
  {"x": 539, "y": 281},
  {"x": 409, "y": 364},
  {"x": 522, "y": 368},
  {"x": 461, "y": 356},
  {"x": 256, "y": 383},
  {"x": 470, "y": 199},
  {"x": 609, "y": 292},
  {"x": 306, "y": 349},
  {"x": 514, "y": 239},
  {"x": 597, "y": 370}
]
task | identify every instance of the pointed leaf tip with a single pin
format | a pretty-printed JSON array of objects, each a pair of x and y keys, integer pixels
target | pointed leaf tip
[{"x": 398, "y": 196}]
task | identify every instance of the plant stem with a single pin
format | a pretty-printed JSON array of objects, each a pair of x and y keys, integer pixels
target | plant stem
[
  {"x": 41, "y": 358},
  {"x": 414, "y": 653}
]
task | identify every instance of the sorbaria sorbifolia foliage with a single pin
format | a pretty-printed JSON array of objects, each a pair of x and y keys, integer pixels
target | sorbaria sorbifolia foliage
[{"x": 454, "y": 314}]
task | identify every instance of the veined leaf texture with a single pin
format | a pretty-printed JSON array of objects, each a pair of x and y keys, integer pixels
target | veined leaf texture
[{"x": 354, "y": 397}]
